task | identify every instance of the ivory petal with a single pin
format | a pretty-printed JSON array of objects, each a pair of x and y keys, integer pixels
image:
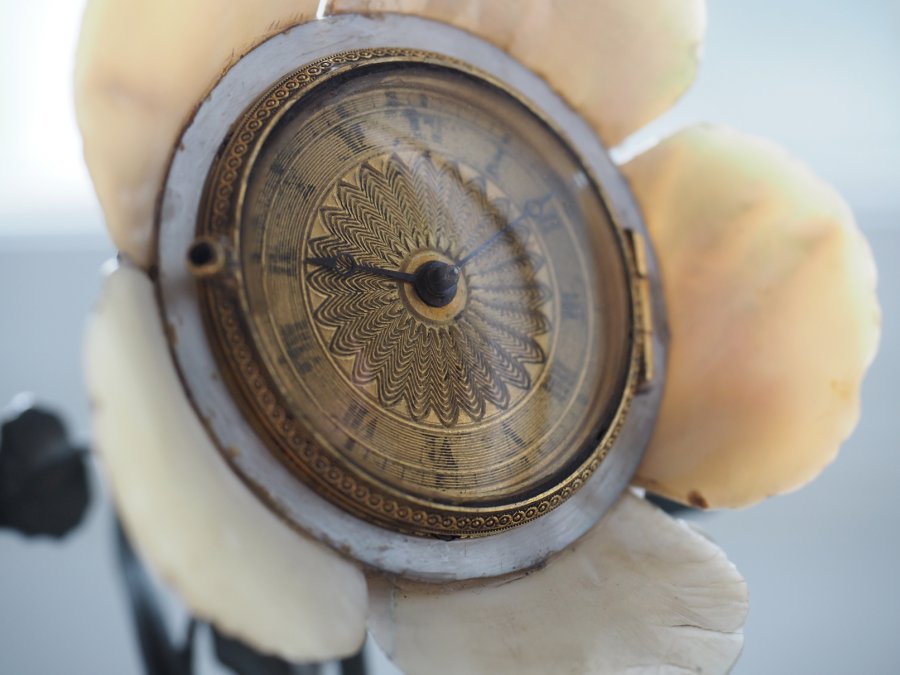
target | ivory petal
[
  {"x": 141, "y": 69},
  {"x": 770, "y": 289},
  {"x": 640, "y": 593},
  {"x": 619, "y": 64},
  {"x": 233, "y": 562}
]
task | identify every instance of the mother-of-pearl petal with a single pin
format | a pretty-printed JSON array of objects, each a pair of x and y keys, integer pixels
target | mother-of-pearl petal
[
  {"x": 770, "y": 290},
  {"x": 619, "y": 64},
  {"x": 233, "y": 562},
  {"x": 640, "y": 593},
  {"x": 143, "y": 67}
]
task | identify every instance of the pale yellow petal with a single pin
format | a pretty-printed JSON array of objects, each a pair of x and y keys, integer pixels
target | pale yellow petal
[
  {"x": 619, "y": 64},
  {"x": 231, "y": 560},
  {"x": 142, "y": 68},
  {"x": 640, "y": 593},
  {"x": 770, "y": 289}
]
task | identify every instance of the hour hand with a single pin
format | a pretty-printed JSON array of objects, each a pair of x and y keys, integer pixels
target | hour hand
[{"x": 345, "y": 264}]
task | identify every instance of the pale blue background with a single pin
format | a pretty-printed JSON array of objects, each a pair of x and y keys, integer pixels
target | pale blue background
[{"x": 822, "y": 78}]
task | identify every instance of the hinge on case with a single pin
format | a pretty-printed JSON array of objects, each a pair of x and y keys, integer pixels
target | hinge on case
[{"x": 644, "y": 323}]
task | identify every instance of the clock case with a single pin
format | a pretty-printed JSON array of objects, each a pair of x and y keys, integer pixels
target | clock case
[{"x": 527, "y": 541}]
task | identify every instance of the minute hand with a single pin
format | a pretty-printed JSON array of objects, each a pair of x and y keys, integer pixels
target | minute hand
[{"x": 532, "y": 208}]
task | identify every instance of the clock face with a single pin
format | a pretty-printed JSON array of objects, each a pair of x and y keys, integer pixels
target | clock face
[{"x": 427, "y": 312}]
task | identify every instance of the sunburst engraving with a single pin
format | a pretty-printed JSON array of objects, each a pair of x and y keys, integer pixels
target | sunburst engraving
[
  {"x": 479, "y": 354},
  {"x": 425, "y": 311}
]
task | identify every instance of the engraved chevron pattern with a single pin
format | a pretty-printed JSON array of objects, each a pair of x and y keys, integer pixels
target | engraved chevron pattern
[{"x": 388, "y": 209}]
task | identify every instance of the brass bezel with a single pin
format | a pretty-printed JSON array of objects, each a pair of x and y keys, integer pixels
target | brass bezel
[
  {"x": 423, "y": 558},
  {"x": 225, "y": 307}
]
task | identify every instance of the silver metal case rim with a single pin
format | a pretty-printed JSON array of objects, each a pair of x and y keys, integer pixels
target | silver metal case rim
[{"x": 417, "y": 557}]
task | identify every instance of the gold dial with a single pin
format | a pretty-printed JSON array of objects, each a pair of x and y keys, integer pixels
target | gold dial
[{"x": 417, "y": 293}]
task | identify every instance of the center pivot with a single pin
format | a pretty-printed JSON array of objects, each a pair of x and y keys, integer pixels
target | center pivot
[{"x": 435, "y": 283}]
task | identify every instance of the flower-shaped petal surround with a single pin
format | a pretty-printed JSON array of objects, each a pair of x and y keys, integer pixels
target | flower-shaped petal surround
[
  {"x": 747, "y": 240},
  {"x": 143, "y": 67},
  {"x": 773, "y": 316},
  {"x": 235, "y": 564},
  {"x": 640, "y": 593},
  {"x": 231, "y": 560}
]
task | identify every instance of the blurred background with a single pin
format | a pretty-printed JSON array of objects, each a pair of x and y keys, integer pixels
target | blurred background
[{"x": 823, "y": 79}]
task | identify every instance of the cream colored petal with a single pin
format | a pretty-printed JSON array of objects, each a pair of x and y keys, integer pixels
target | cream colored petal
[
  {"x": 619, "y": 64},
  {"x": 233, "y": 562},
  {"x": 770, "y": 290},
  {"x": 640, "y": 593},
  {"x": 142, "y": 67}
]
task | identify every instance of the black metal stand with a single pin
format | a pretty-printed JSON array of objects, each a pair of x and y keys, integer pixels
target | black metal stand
[{"x": 44, "y": 490}]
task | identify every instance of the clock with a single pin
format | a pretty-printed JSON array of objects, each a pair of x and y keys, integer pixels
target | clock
[{"x": 410, "y": 297}]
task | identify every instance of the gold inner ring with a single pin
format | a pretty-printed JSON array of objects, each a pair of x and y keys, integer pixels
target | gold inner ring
[{"x": 418, "y": 307}]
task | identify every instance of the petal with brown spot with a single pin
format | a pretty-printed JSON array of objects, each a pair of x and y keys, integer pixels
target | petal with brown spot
[{"x": 770, "y": 291}]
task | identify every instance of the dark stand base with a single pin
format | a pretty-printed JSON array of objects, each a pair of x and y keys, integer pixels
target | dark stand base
[{"x": 44, "y": 490}]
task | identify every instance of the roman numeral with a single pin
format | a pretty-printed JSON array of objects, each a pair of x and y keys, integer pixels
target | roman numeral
[
  {"x": 550, "y": 223},
  {"x": 571, "y": 305},
  {"x": 512, "y": 435},
  {"x": 560, "y": 382},
  {"x": 282, "y": 263},
  {"x": 300, "y": 346},
  {"x": 353, "y": 136},
  {"x": 441, "y": 458},
  {"x": 360, "y": 419}
]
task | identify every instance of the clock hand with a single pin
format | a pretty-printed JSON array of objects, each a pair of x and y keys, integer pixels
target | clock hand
[
  {"x": 345, "y": 264},
  {"x": 532, "y": 209},
  {"x": 434, "y": 282}
]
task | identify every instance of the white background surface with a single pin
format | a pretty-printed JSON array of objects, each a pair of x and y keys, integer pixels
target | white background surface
[{"x": 821, "y": 78}]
